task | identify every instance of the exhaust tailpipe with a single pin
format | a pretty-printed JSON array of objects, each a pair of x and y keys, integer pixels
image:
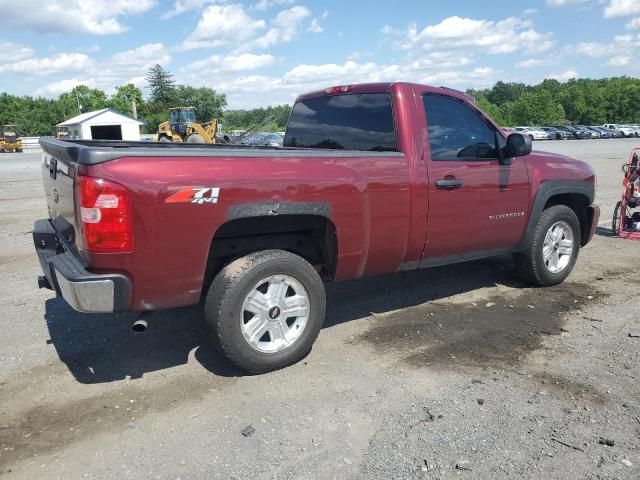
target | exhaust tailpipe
[{"x": 139, "y": 326}]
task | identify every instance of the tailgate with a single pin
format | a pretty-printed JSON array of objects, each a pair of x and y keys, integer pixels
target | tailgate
[{"x": 58, "y": 177}]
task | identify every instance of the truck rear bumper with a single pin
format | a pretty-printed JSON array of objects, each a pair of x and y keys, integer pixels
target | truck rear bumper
[{"x": 66, "y": 274}]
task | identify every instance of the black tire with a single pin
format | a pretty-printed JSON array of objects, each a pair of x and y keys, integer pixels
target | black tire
[
  {"x": 223, "y": 308},
  {"x": 530, "y": 264},
  {"x": 164, "y": 139},
  {"x": 195, "y": 138},
  {"x": 615, "y": 223}
]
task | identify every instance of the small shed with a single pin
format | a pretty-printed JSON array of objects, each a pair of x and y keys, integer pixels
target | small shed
[{"x": 105, "y": 124}]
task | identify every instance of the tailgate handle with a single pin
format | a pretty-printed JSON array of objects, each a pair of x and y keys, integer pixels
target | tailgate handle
[
  {"x": 53, "y": 168},
  {"x": 448, "y": 184}
]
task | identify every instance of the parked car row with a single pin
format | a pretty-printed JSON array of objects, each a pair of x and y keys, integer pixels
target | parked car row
[{"x": 578, "y": 132}]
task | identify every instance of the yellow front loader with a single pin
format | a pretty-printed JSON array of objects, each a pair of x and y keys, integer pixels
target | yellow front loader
[
  {"x": 9, "y": 141},
  {"x": 183, "y": 127}
]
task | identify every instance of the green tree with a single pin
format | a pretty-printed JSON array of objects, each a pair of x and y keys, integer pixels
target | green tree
[
  {"x": 535, "y": 108},
  {"x": 124, "y": 97},
  {"x": 161, "y": 85},
  {"x": 208, "y": 103},
  {"x": 503, "y": 93},
  {"x": 82, "y": 99},
  {"x": 496, "y": 113}
]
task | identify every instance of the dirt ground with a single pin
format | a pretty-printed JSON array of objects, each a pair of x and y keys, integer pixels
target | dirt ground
[{"x": 454, "y": 372}]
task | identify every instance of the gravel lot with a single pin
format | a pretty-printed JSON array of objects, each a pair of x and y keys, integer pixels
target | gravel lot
[{"x": 453, "y": 372}]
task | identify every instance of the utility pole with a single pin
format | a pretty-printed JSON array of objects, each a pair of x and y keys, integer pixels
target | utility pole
[
  {"x": 134, "y": 108},
  {"x": 79, "y": 106}
]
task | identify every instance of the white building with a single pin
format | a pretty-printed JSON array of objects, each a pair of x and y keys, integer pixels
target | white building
[{"x": 105, "y": 124}]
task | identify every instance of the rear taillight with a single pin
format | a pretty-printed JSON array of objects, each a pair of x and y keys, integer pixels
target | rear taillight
[{"x": 105, "y": 215}]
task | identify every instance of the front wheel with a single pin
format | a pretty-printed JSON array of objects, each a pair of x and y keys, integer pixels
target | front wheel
[
  {"x": 265, "y": 310},
  {"x": 553, "y": 248},
  {"x": 195, "y": 138}
]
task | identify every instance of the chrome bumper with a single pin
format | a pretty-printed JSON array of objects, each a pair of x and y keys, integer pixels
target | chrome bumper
[
  {"x": 90, "y": 296},
  {"x": 66, "y": 274}
]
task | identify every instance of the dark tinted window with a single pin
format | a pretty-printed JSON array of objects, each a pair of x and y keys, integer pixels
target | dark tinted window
[
  {"x": 351, "y": 122},
  {"x": 457, "y": 132}
]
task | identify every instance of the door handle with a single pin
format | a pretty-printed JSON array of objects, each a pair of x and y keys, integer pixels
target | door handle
[{"x": 448, "y": 184}]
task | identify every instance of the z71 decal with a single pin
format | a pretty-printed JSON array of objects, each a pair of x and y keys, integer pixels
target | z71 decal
[{"x": 197, "y": 195}]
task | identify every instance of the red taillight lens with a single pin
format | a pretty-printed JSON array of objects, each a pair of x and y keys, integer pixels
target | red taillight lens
[{"x": 105, "y": 215}]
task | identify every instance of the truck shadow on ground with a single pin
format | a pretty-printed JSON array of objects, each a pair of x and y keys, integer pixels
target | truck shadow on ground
[{"x": 103, "y": 348}]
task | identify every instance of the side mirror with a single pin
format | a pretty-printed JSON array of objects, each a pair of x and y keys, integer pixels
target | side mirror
[{"x": 518, "y": 145}]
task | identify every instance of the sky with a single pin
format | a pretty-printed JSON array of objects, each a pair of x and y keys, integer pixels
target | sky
[{"x": 266, "y": 52}]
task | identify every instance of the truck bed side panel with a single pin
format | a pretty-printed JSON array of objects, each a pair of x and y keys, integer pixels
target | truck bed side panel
[{"x": 367, "y": 196}]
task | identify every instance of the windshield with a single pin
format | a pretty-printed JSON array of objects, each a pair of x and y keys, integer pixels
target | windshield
[{"x": 183, "y": 116}]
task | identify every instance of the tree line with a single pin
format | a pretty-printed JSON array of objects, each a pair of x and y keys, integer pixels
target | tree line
[{"x": 579, "y": 101}]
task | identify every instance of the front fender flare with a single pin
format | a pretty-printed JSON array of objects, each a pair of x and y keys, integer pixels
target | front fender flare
[{"x": 547, "y": 190}]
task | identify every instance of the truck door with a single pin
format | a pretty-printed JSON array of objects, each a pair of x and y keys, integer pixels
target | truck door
[{"x": 476, "y": 205}]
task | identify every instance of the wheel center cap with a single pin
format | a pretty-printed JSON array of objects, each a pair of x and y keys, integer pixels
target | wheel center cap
[{"x": 274, "y": 313}]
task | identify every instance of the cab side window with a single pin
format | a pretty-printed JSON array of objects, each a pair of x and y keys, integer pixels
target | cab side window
[{"x": 456, "y": 132}]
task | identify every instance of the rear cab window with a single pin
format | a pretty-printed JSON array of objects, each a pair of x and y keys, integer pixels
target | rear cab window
[{"x": 354, "y": 121}]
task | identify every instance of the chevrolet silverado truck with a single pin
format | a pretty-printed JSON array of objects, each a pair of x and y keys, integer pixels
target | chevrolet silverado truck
[{"x": 372, "y": 179}]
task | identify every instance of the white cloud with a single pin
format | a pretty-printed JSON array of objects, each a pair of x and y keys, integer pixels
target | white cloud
[
  {"x": 493, "y": 37},
  {"x": 129, "y": 66},
  {"x": 621, "y": 51},
  {"x": 564, "y": 3},
  {"x": 267, "y": 4},
  {"x": 531, "y": 63},
  {"x": 134, "y": 61},
  {"x": 67, "y": 16},
  {"x": 388, "y": 30},
  {"x": 56, "y": 88},
  {"x": 592, "y": 49},
  {"x": 249, "y": 90},
  {"x": 223, "y": 26},
  {"x": 230, "y": 63},
  {"x": 634, "y": 24},
  {"x": 622, "y": 8},
  {"x": 181, "y": 6},
  {"x": 59, "y": 63},
  {"x": 14, "y": 51},
  {"x": 284, "y": 27},
  {"x": 315, "y": 27},
  {"x": 335, "y": 72},
  {"x": 564, "y": 76},
  {"x": 619, "y": 61}
]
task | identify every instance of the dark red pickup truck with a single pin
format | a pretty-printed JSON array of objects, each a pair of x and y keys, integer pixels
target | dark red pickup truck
[{"x": 372, "y": 179}]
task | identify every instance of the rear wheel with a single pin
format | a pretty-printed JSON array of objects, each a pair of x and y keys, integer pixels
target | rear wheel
[
  {"x": 615, "y": 223},
  {"x": 165, "y": 139},
  {"x": 553, "y": 248},
  {"x": 265, "y": 310}
]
